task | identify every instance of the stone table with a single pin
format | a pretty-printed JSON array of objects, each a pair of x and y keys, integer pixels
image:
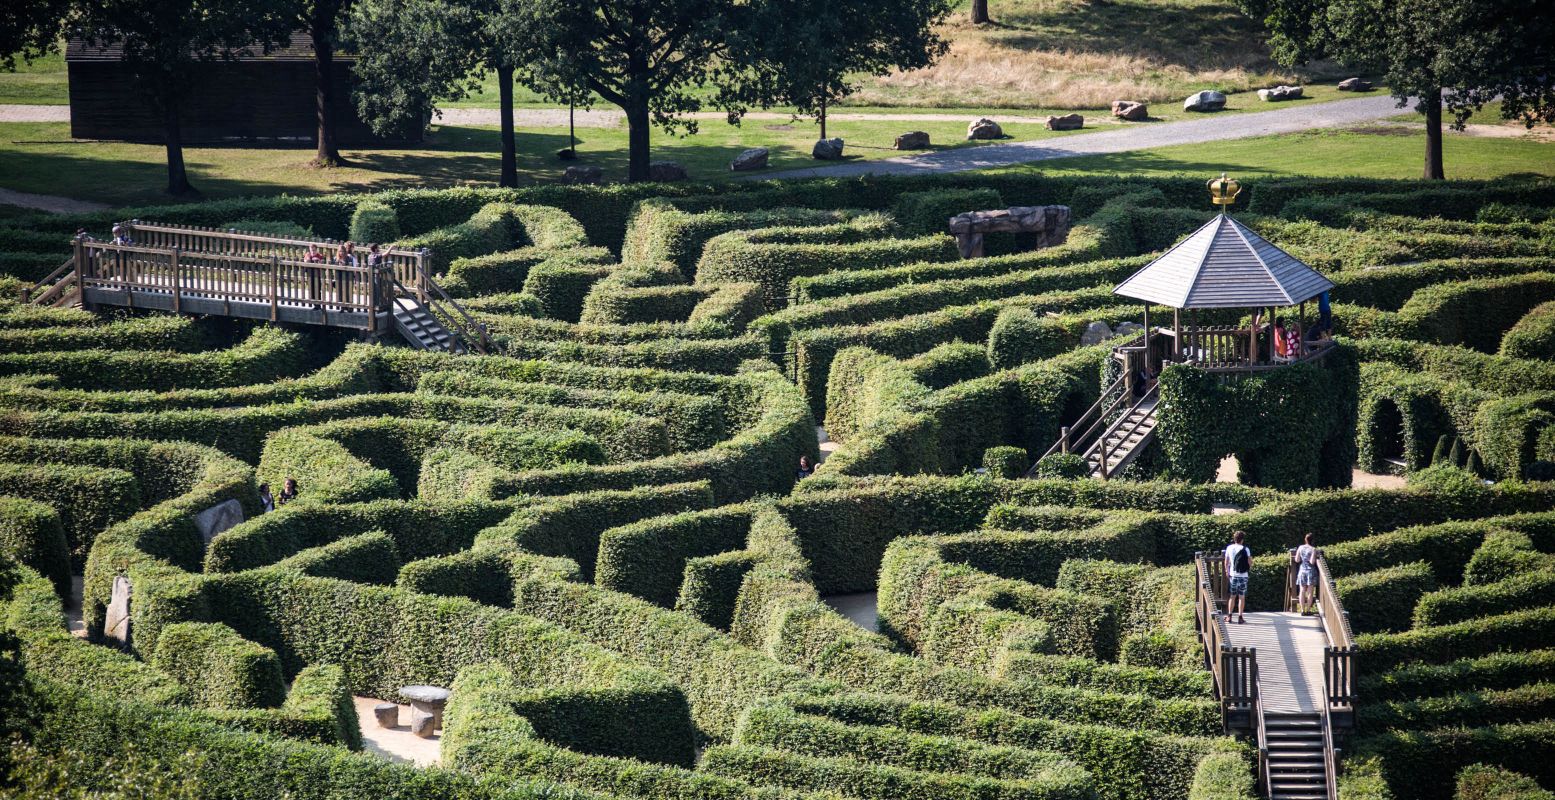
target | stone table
[{"x": 426, "y": 708}]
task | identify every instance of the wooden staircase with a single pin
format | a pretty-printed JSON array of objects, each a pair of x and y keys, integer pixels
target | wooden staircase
[
  {"x": 59, "y": 290},
  {"x": 422, "y": 329},
  {"x": 1124, "y": 439},
  {"x": 1297, "y": 758}
]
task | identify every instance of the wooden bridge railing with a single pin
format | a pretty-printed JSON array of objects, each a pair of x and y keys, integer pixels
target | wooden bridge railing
[
  {"x": 408, "y": 265},
  {"x": 1339, "y": 678},
  {"x": 186, "y": 277},
  {"x": 1234, "y": 669}
]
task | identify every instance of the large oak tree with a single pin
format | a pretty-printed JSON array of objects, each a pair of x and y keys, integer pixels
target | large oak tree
[{"x": 1446, "y": 56}]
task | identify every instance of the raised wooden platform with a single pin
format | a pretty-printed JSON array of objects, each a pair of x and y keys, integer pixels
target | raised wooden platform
[{"x": 1290, "y": 658}]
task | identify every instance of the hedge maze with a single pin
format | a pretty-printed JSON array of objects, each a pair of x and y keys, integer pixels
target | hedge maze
[{"x": 595, "y": 536}]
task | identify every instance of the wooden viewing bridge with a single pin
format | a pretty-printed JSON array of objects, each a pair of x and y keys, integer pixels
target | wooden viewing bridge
[
  {"x": 191, "y": 270},
  {"x": 1285, "y": 679},
  {"x": 1220, "y": 267}
]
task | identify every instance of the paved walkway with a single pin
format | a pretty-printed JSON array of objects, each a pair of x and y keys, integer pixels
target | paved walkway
[
  {"x": 1211, "y": 128},
  {"x": 48, "y": 202},
  {"x": 397, "y": 743},
  {"x": 1290, "y": 658}
]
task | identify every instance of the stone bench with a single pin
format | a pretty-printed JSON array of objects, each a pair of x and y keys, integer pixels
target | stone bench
[
  {"x": 1050, "y": 223},
  {"x": 426, "y": 708}
]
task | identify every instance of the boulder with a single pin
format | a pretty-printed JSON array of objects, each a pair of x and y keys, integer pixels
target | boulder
[
  {"x": 1068, "y": 122},
  {"x": 1130, "y": 110},
  {"x": 1279, "y": 93},
  {"x": 827, "y": 149},
  {"x": 1127, "y": 328},
  {"x": 984, "y": 128},
  {"x": 388, "y": 714},
  {"x": 1207, "y": 100},
  {"x": 1095, "y": 333},
  {"x": 913, "y": 140},
  {"x": 1354, "y": 85},
  {"x": 218, "y": 518},
  {"x": 666, "y": 171},
  {"x": 583, "y": 174},
  {"x": 116, "y": 621},
  {"x": 754, "y": 158},
  {"x": 422, "y": 723}
]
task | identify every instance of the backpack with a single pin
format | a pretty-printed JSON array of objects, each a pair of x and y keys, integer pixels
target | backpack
[{"x": 1240, "y": 562}]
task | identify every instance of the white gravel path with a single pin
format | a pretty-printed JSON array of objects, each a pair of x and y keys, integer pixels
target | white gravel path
[
  {"x": 48, "y": 202},
  {"x": 1211, "y": 128}
]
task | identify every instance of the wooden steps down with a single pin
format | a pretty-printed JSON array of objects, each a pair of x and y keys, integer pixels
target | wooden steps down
[{"x": 422, "y": 329}]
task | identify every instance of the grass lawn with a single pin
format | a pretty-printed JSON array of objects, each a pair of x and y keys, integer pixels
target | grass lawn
[
  {"x": 41, "y": 158},
  {"x": 1372, "y": 152},
  {"x": 43, "y": 82}
]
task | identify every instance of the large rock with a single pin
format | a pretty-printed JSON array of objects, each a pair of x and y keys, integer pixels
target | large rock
[
  {"x": 754, "y": 158},
  {"x": 1279, "y": 93},
  {"x": 116, "y": 622},
  {"x": 1354, "y": 85},
  {"x": 913, "y": 140},
  {"x": 583, "y": 174},
  {"x": 827, "y": 149},
  {"x": 1068, "y": 122},
  {"x": 1127, "y": 329},
  {"x": 984, "y": 128},
  {"x": 218, "y": 518},
  {"x": 666, "y": 171},
  {"x": 1095, "y": 333},
  {"x": 388, "y": 714},
  {"x": 1207, "y": 100},
  {"x": 1130, "y": 110}
]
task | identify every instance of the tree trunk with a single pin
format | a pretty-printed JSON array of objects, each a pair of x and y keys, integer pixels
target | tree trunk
[
  {"x": 177, "y": 176},
  {"x": 638, "y": 153},
  {"x": 509, "y": 177},
  {"x": 980, "y": 12},
  {"x": 823, "y": 117},
  {"x": 1433, "y": 136},
  {"x": 322, "y": 30}
]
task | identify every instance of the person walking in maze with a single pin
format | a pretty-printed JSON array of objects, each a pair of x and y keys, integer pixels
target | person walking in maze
[
  {"x": 1305, "y": 557},
  {"x": 1239, "y": 563}
]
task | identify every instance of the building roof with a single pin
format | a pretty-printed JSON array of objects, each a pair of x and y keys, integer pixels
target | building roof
[
  {"x": 1224, "y": 265},
  {"x": 300, "y": 48}
]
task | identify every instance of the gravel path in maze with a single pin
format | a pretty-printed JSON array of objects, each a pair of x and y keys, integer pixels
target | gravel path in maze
[{"x": 1211, "y": 128}]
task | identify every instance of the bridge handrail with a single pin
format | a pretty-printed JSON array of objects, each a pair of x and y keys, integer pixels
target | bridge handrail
[
  {"x": 1101, "y": 441},
  {"x": 1233, "y": 669},
  {"x": 1067, "y": 438},
  {"x": 1339, "y": 678},
  {"x": 53, "y": 285}
]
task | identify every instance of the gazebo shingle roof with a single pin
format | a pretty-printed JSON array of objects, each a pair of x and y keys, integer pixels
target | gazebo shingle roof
[{"x": 1224, "y": 265}]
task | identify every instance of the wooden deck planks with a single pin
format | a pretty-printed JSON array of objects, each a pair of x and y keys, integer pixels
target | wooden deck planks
[{"x": 1290, "y": 658}]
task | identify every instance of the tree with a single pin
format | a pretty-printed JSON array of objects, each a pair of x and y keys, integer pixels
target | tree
[
  {"x": 321, "y": 19},
  {"x": 30, "y": 28},
  {"x": 980, "y": 12},
  {"x": 827, "y": 41},
  {"x": 1452, "y": 55},
  {"x": 411, "y": 53},
  {"x": 660, "y": 60}
]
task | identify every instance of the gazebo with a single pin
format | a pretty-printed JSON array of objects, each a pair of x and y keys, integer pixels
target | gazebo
[{"x": 1225, "y": 265}]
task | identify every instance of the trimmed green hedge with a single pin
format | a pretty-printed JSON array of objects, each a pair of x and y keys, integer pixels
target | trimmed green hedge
[
  {"x": 1470, "y": 709},
  {"x": 774, "y": 256},
  {"x": 649, "y": 558},
  {"x": 1481, "y": 782},
  {"x": 1533, "y": 336},
  {"x": 1533, "y": 628},
  {"x": 220, "y": 668},
  {"x": 268, "y": 354},
  {"x": 1485, "y": 673},
  {"x": 1385, "y": 599},
  {"x": 32, "y": 534},
  {"x": 1461, "y": 604},
  {"x": 924, "y": 213},
  {"x": 364, "y": 558}
]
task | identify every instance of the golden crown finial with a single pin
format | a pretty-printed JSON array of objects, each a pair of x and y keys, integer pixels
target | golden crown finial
[{"x": 1223, "y": 190}]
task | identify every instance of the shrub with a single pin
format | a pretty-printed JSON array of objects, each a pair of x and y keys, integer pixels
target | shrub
[
  {"x": 31, "y": 534},
  {"x": 1481, "y": 782},
  {"x": 508, "y": 270},
  {"x": 1492, "y": 672},
  {"x": 923, "y": 213},
  {"x": 363, "y": 558},
  {"x": 870, "y": 782},
  {"x": 1461, "y": 604},
  {"x": 774, "y": 256},
  {"x": 1384, "y": 600},
  {"x": 1533, "y": 336},
  {"x": 285, "y": 230},
  {"x": 1462, "y": 710},
  {"x": 1005, "y": 461},
  {"x": 220, "y": 668},
  {"x": 1533, "y": 628},
  {"x": 1062, "y": 465},
  {"x": 374, "y": 222}
]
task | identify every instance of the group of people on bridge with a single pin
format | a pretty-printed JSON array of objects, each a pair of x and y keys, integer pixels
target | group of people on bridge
[{"x": 1239, "y": 560}]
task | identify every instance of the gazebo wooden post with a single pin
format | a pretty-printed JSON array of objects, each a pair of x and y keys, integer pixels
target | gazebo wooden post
[
  {"x": 1147, "y": 336},
  {"x": 1176, "y": 334}
]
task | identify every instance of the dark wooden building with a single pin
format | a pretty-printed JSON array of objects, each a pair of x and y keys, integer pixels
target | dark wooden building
[{"x": 264, "y": 97}]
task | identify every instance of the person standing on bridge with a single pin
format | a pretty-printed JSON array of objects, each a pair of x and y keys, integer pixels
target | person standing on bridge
[
  {"x": 1239, "y": 562},
  {"x": 1305, "y": 557}
]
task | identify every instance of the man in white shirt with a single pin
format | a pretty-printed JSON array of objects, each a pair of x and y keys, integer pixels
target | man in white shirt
[{"x": 1239, "y": 561}]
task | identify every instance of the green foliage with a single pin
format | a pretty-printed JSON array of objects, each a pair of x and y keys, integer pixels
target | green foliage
[
  {"x": 1533, "y": 336},
  {"x": 1005, "y": 461},
  {"x": 220, "y": 668},
  {"x": 1063, "y": 465},
  {"x": 31, "y": 534},
  {"x": 1481, "y": 782},
  {"x": 1385, "y": 599},
  {"x": 924, "y": 213},
  {"x": 1201, "y": 421},
  {"x": 375, "y": 223}
]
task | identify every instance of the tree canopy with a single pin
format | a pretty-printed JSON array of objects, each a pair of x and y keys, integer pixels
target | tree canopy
[{"x": 1452, "y": 55}]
